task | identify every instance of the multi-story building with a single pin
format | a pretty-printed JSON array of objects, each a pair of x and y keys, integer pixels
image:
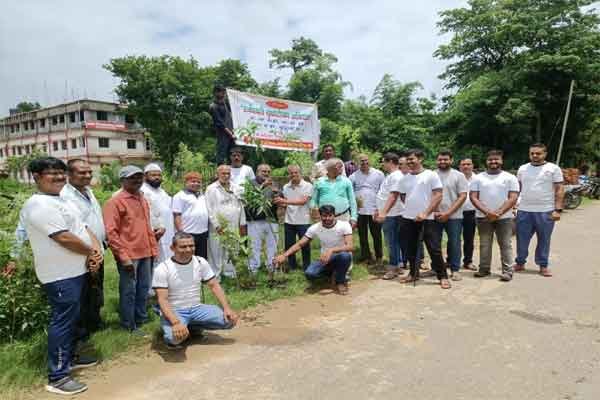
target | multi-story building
[{"x": 97, "y": 131}]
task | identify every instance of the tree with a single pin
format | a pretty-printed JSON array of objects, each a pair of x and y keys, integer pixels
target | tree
[
  {"x": 170, "y": 97},
  {"x": 511, "y": 66},
  {"x": 304, "y": 52},
  {"x": 26, "y": 106}
]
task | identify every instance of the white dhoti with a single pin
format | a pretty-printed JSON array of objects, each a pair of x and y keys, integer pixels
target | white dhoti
[{"x": 257, "y": 232}]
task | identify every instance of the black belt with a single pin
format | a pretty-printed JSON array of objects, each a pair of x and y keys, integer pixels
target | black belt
[{"x": 343, "y": 212}]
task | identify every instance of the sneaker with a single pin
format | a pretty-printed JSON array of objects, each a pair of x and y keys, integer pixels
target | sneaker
[
  {"x": 66, "y": 386},
  {"x": 138, "y": 333},
  {"x": 481, "y": 274},
  {"x": 469, "y": 266},
  {"x": 81, "y": 362},
  {"x": 506, "y": 277},
  {"x": 456, "y": 276}
]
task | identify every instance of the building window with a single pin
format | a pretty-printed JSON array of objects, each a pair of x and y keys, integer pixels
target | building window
[
  {"x": 55, "y": 120},
  {"x": 18, "y": 127},
  {"x": 148, "y": 144},
  {"x": 12, "y": 129},
  {"x": 1, "y": 153},
  {"x": 131, "y": 143},
  {"x": 55, "y": 146},
  {"x": 19, "y": 150},
  {"x": 129, "y": 119},
  {"x": 73, "y": 143},
  {"x": 45, "y": 148},
  {"x": 25, "y": 126},
  {"x": 82, "y": 142},
  {"x": 103, "y": 142},
  {"x": 72, "y": 117},
  {"x": 43, "y": 123},
  {"x": 27, "y": 149},
  {"x": 32, "y": 125},
  {"x": 81, "y": 115},
  {"x": 63, "y": 144},
  {"x": 14, "y": 150},
  {"x": 101, "y": 116},
  {"x": 61, "y": 118}
]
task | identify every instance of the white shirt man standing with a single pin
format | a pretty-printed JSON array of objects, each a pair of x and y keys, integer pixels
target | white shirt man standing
[
  {"x": 469, "y": 221},
  {"x": 320, "y": 167},
  {"x": 161, "y": 216},
  {"x": 223, "y": 200},
  {"x": 366, "y": 183},
  {"x": 240, "y": 172},
  {"x": 191, "y": 213},
  {"x": 540, "y": 206}
]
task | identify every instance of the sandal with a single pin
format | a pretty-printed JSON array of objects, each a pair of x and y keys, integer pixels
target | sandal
[
  {"x": 545, "y": 272},
  {"x": 518, "y": 268},
  {"x": 342, "y": 289},
  {"x": 389, "y": 275},
  {"x": 445, "y": 284},
  {"x": 408, "y": 279}
]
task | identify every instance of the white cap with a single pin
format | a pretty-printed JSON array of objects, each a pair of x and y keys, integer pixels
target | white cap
[{"x": 152, "y": 167}]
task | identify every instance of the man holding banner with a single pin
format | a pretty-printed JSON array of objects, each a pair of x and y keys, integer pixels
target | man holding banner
[{"x": 221, "y": 116}]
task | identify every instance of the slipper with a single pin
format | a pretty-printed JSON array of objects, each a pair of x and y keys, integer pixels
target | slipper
[
  {"x": 408, "y": 279},
  {"x": 518, "y": 268},
  {"x": 545, "y": 272},
  {"x": 445, "y": 284},
  {"x": 391, "y": 274}
]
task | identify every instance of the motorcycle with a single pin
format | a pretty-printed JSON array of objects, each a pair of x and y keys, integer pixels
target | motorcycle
[{"x": 574, "y": 196}]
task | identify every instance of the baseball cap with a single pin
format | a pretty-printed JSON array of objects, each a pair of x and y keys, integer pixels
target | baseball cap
[{"x": 128, "y": 171}]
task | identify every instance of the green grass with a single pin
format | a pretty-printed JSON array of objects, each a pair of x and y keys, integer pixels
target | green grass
[{"x": 23, "y": 364}]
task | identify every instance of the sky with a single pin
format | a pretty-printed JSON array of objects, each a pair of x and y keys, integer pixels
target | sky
[{"x": 52, "y": 51}]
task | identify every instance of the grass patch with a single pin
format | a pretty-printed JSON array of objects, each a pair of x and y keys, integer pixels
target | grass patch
[{"x": 23, "y": 363}]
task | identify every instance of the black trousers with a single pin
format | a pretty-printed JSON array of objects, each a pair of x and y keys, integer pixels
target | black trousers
[
  {"x": 201, "y": 243},
  {"x": 469, "y": 224},
  {"x": 92, "y": 300},
  {"x": 417, "y": 233},
  {"x": 366, "y": 223}
]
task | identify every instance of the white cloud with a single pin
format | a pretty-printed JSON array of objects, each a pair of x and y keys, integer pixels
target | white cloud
[{"x": 44, "y": 44}]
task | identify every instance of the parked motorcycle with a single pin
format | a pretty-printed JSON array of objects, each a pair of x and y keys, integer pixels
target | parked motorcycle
[{"x": 574, "y": 196}]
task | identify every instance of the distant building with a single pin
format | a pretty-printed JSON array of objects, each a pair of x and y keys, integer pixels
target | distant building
[{"x": 97, "y": 131}]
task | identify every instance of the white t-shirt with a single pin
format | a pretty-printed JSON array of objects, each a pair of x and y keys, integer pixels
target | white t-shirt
[
  {"x": 454, "y": 183},
  {"x": 494, "y": 189},
  {"x": 329, "y": 237},
  {"x": 184, "y": 281},
  {"x": 194, "y": 214},
  {"x": 47, "y": 215},
  {"x": 297, "y": 215},
  {"x": 537, "y": 186},
  {"x": 417, "y": 189},
  {"x": 366, "y": 187},
  {"x": 468, "y": 206},
  {"x": 241, "y": 174},
  {"x": 391, "y": 183}
]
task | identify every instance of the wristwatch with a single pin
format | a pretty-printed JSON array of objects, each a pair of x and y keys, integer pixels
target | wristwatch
[{"x": 558, "y": 210}]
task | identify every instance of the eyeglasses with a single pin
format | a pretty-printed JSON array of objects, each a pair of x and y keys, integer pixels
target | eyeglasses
[{"x": 364, "y": 161}]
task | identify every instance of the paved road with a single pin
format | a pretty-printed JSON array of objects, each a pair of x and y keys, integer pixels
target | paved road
[{"x": 533, "y": 338}]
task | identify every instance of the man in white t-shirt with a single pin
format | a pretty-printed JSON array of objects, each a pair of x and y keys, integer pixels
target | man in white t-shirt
[
  {"x": 64, "y": 249},
  {"x": 320, "y": 167},
  {"x": 494, "y": 193},
  {"x": 190, "y": 212},
  {"x": 366, "y": 183},
  {"x": 296, "y": 196},
  {"x": 389, "y": 213},
  {"x": 178, "y": 284},
  {"x": 240, "y": 173},
  {"x": 449, "y": 215},
  {"x": 421, "y": 193},
  {"x": 469, "y": 222},
  {"x": 336, "y": 249},
  {"x": 540, "y": 206}
]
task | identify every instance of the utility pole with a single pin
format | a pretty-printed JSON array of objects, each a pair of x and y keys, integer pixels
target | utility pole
[{"x": 564, "y": 128}]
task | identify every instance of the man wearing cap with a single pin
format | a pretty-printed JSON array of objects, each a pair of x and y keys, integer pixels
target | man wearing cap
[
  {"x": 161, "y": 216},
  {"x": 134, "y": 244},
  {"x": 221, "y": 116}
]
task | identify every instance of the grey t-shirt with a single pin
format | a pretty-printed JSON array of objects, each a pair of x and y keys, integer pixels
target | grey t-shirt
[{"x": 454, "y": 183}]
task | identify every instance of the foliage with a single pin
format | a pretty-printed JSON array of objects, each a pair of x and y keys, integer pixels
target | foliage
[
  {"x": 511, "y": 63},
  {"x": 186, "y": 161},
  {"x": 302, "y": 159},
  {"x": 16, "y": 164},
  {"x": 238, "y": 251},
  {"x": 26, "y": 106},
  {"x": 304, "y": 52},
  {"x": 256, "y": 202},
  {"x": 109, "y": 176}
]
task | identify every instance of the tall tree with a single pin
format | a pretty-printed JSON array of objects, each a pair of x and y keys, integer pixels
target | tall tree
[
  {"x": 304, "y": 52},
  {"x": 26, "y": 106}
]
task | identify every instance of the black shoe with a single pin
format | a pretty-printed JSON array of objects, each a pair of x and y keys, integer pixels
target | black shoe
[
  {"x": 81, "y": 362},
  {"x": 481, "y": 274},
  {"x": 66, "y": 386}
]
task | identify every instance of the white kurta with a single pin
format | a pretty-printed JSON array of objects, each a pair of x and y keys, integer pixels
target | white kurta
[
  {"x": 161, "y": 216},
  {"x": 228, "y": 204}
]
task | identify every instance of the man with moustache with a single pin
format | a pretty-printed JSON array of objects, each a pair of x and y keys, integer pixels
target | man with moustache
[
  {"x": 64, "y": 249},
  {"x": 320, "y": 167},
  {"x": 191, "y": 214},
  {"x": 469, "y": 221},
  {"x": 134, "y": 244},
  {"x": 541, "y": 204},
  {"x": 494, "y": 193},
  {"x": 240, "y": 172},
  {"x": 161, "y": 216}
]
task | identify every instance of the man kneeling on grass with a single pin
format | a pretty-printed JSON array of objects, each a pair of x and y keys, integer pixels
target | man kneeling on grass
[
  {"x": 336, "y": 249},
  {"x": 178, "y": 284}
]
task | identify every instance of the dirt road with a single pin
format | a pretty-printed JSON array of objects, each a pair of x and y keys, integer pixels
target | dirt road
[{"x": 533, "y": 338}]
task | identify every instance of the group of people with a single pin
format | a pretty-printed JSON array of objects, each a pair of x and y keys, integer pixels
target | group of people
[{"x": 168, "y": 247}]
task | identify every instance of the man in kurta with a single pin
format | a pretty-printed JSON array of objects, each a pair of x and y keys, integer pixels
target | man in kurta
[
  {"x": 161, "y": 214},
  {"x": 223, "y": 200}
]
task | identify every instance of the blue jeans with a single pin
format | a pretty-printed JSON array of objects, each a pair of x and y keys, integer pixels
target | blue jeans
[
  {"x": 202, "y": 316},
  {"x": 291, "y": 232},
  {"x": 133, "y": 292},
  {"x": 338, "y": 265},
  {"x": 64, "y": 297},
  {"x": 453, "y": 228},
  {"x": 542, "y": 225},
  {"x": 391, "y": 232}
]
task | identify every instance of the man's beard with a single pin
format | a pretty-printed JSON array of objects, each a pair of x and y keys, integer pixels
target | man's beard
[{"x": 154, "y": 184}]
